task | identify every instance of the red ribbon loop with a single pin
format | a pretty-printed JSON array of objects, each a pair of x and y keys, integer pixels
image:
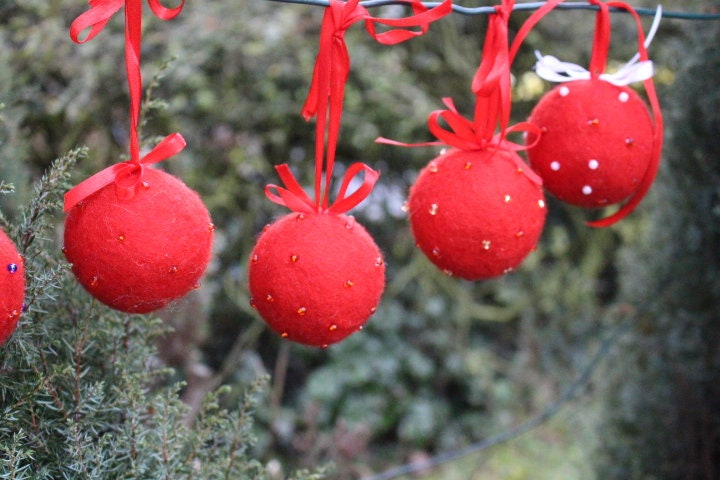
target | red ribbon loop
[
  {"x": 292, "y": 196},
  {"x": 344, "y": 202},
  {"x": 127, "y": 176},
  {"x": 100, "y": 13},
  {"x": 296, "y": 199}
]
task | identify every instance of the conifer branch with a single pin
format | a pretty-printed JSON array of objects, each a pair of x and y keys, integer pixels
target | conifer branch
[{"x": 48, "y": 198}]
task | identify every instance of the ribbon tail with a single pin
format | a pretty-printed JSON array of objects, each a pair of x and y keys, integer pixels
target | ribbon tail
[
  {"x": 91, "y": 185},
  {"x": 652, "y": 170},
  {"x": 635, "y": 200},
  {"x": 168, "y": 147},
  {"x": 346, "y": 202},
  {"x": 389, "y": 141},
  {"x": 630, "y": 73},
  {"x": 163, "y": 12}
]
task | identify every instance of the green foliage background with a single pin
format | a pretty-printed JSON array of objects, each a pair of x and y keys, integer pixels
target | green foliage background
[{"x": 444, "y": 362}]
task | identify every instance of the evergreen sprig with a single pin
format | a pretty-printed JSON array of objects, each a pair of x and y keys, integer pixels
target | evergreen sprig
[{"x": 83, "y": 394}]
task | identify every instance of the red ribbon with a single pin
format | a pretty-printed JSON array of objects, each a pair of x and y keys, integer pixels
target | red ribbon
[
  {"x": 327, "y": 90},
  {"x": 491, "y": 85},
  {"x": 294, "y": 197},
  {"x": 597, "y": 66},
  {"x": 100, "y": 13},
  {"x": 464, "y": 135},
  {"x": 127, "y": 176}
]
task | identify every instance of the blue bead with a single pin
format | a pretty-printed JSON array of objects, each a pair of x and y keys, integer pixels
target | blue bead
[{"x": 12, "y": 267}]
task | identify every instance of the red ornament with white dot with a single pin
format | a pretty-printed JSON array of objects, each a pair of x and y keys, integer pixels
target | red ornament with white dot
[
  {"x": 476, "y": 214},
  {"x": 316, "y": 278},
  {"x": 595, "y": 143},
  {"x": 140, "y": 253},
  {"x": 12, "y": 286}
]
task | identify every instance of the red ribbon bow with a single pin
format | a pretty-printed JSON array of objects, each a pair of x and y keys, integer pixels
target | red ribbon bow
[
  {"x": 295, "y": 198},
  {"x": 100, "y": 13},
  {"x": 491, "y": 85},
  {"x": 466, "y": 135},
  {"x": 325, "y": 98},
  {"x": 127, "y": 176}
]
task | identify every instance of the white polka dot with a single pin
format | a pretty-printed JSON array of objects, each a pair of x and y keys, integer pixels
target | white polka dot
[
  {"x": 564, "y": 91},
  {"x": 593, "y": 164},
  {"x": 624, "y": 97},
  {"x": 587, "y": 190},
  {"x": 555, "y": 165}
]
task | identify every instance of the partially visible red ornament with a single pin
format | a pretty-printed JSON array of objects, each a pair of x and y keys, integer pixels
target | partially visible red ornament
[
  {"x": 140, "y": 253},
  {"x": 12, "y": 286},
  {"x": 596, "y": 142},
  {"x": 475, "y": 214},
  {"x": 316, "y": 278}
]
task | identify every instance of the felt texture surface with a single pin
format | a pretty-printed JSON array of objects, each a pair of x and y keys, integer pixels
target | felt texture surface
[
  {"x": 595, "y": 145},
  {"x": 12, "y": 286},
  {"x": 474, "y": 214},
  {"x": 316, "y": 278},
  {"x": 136, "y": 255}
]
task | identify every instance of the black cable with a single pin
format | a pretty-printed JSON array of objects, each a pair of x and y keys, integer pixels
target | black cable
[
  {"x": 485, "y": 10},
  {"x": 550, "y": 411}
]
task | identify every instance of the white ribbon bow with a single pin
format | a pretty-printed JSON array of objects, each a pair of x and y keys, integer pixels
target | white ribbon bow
[{"x": 554, "y": 70}]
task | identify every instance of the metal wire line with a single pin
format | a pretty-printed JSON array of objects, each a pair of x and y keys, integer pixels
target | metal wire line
[
  {"x": 485, "y": 10},
  {"x": 571, "y": 392}
]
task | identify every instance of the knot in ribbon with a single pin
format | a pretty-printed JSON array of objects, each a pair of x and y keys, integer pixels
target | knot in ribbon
[
  {"x": 127, "y": 176},
  {"x": 466, "y": 135},
  {"x": 333, "y": 61},
  {"x": 101, "y": 11},
  {"x": 294, "y": 197}
]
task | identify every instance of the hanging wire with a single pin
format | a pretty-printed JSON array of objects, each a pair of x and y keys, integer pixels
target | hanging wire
[
  {"x": 527, "y": 7},
  {"x": 571, "y": 393}
]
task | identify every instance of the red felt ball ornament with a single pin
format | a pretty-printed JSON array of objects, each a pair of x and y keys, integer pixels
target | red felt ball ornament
[
  {"x": 316, "y": 277},
  {"x": 596, "y": 142},
  {"x": 475, "y": 214},
  {"x": 138, "y": 254},
  {"x": 12, "y": 286}
]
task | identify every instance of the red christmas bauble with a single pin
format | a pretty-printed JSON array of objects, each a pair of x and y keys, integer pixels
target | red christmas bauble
[
  {"x": 316, "y": 278},
  {"x": 475, "y": 214},
  {"x": 595, "y": 143},
  {"x": 138, "y": 254},
  {"x": 12, "y": 286}
]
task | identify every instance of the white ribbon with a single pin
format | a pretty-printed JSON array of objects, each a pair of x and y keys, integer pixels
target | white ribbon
[{"x": 554, "y": 70}]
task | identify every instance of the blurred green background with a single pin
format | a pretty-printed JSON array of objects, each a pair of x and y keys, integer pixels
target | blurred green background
[{"x": 444, "y": 362}]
